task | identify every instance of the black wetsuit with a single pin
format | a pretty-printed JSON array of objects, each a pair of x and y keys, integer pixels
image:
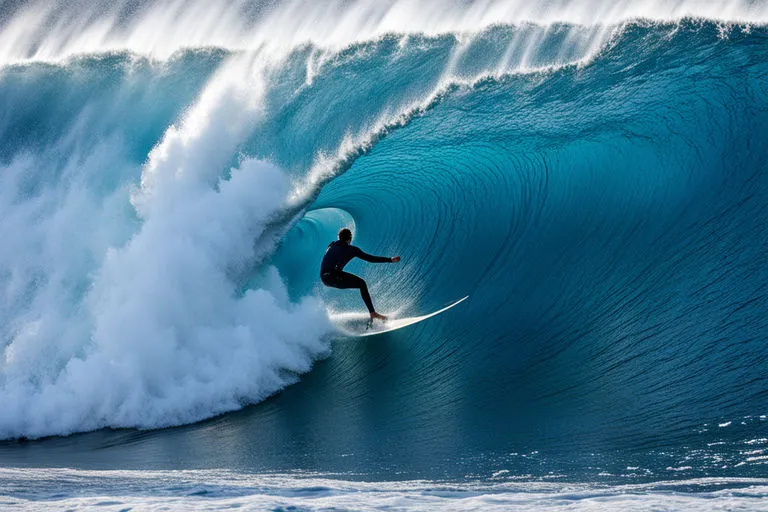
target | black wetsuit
[{"x": 336, "y": 257}]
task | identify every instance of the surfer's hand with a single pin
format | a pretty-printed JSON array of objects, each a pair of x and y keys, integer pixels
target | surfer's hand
[{"x": 395, "y": 259}]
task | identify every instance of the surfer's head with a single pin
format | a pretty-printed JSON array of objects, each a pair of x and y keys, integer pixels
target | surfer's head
[{"x": 345, "y": 235}]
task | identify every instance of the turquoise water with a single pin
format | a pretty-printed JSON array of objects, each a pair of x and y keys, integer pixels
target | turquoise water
[{"x": 598, "y": 188}]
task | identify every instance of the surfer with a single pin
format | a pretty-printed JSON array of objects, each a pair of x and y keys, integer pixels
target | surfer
[{"x": 336, "y": 256}]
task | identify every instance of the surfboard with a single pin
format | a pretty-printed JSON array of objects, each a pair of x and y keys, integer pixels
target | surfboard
[{"x": 356, "y": 324}]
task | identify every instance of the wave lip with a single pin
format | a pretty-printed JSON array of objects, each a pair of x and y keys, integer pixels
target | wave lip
[{"x": 41, "y": 30}]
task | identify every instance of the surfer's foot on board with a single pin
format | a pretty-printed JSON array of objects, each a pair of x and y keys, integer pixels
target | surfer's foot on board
[{"x": 375, "y": 316}]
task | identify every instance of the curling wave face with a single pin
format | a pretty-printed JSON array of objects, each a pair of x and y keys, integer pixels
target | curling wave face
[{"x": 607, "y": 220}]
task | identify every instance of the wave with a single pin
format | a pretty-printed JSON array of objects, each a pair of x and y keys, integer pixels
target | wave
[
  {"x": 607, "y": 224},
  {"x": 596, "y": 189}
]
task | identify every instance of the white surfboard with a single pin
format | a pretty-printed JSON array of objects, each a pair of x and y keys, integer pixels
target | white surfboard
[{"x": 356, "y": 324}]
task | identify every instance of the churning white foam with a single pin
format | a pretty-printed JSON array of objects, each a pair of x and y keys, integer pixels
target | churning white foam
[
  {"x": 56, "y": 489},
  {"x": 125, "y": 317},
  {"x": 50, "y": 30}
]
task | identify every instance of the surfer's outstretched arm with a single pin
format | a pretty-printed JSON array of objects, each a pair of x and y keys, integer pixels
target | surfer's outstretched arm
[{"x": 375, "y": 259}]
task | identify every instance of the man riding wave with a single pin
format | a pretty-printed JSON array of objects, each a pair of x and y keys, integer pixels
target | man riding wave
[{"x": 338, "y": 254}]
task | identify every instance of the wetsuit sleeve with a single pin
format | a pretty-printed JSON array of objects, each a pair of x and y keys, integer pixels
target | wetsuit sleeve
[{"x": 373, "y": 259}]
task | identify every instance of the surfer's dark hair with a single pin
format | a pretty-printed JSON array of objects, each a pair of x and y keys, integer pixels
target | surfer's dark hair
[{"x": 345, "y": 234}]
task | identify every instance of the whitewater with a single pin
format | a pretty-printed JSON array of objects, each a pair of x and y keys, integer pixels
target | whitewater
[{"x": 592, "y": 174}]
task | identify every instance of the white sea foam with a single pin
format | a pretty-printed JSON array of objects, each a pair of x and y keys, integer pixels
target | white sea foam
[
  {"x": 41, "y": 489},
  {"x": 46, "y": 30},
  {"x": 110, "y": 321}
]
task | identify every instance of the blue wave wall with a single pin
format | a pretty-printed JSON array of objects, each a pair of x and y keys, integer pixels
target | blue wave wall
[
  {"x": 607, "y": 221},
  {"x": 606, "y": 215}
]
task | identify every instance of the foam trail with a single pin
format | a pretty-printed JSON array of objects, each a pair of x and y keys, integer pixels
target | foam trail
[
  {"x": 41, "y": 489},
  {"x": 55, "y": 30},
  {"x": 161, "y": 337}
]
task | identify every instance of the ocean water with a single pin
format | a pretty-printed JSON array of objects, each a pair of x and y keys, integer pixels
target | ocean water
[{"x": 592, "y": 174}]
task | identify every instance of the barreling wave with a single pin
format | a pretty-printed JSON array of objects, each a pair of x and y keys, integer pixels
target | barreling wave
[{"x": 595, "y": 182}]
